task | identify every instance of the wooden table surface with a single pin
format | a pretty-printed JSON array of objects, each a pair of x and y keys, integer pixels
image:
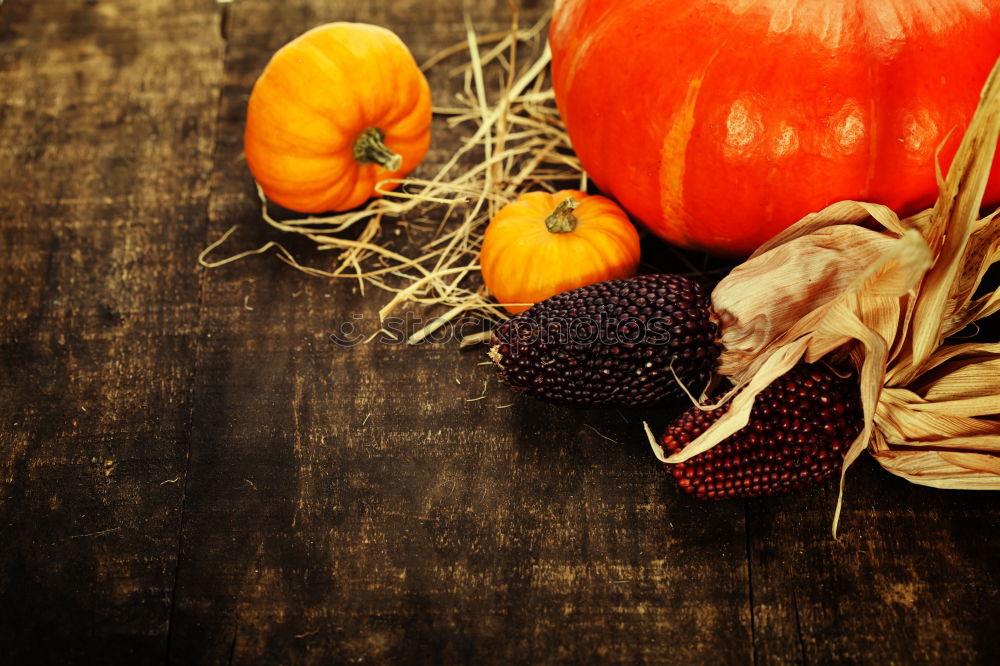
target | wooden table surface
[{"x": 192, "y": 472}]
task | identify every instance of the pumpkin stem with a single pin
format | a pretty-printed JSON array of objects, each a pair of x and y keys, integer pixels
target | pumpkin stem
[
  {"x": 562, "y": 220},
  {"x": 370, "y": 148}
]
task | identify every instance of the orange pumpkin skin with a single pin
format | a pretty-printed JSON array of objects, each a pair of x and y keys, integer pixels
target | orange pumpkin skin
[
  {"x": 718, "y": 123},
  {"x": 523, "y": 262},
  {"x": 317, "y": 111}
]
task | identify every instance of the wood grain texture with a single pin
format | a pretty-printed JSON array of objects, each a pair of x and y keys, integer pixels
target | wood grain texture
[
  {"x": 105, "y": 149},
  {"x": 193, "y": 472},
  {"x": 913, "y": 578}
]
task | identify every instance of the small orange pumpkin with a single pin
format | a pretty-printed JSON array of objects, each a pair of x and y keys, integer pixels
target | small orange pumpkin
[
  {"x": 542, "y": 244},
  {"x": 337, "y": 110}
]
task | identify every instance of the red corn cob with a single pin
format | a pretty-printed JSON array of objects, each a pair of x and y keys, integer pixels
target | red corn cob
[{"x": 799, "y": 431}]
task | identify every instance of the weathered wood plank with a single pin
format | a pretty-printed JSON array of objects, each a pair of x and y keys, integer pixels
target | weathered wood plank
[
  {"x": 912, "y": 579},
  {"x": 107, "y": 119},
  {"x": 353, "y": 504}
]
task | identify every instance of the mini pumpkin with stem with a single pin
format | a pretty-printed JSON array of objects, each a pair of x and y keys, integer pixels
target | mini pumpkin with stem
[
  {"x": 542, "y": 244},
  {"x": 339, "y": 113}
]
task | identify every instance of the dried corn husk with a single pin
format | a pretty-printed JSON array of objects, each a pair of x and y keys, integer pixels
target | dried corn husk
[{"x": 885, "y": 294}]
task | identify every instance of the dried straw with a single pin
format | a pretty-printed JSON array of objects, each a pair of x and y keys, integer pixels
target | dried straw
[{"x": 517, "y": 143}]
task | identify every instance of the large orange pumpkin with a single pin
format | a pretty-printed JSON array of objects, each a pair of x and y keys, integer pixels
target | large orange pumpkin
[
  {"x": 720, "y": 122},
  {"x": 336, "y": 111}
]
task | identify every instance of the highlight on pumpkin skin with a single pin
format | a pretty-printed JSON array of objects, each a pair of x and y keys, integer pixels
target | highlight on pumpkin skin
[
  {"x": 337, "y": 112},
  {"x": 542, "y": 244}
]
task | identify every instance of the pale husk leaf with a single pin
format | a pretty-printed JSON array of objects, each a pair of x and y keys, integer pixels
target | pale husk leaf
[
  {"x": 763, "y": 297},
  {"x": 983, "y": 249},
  {"x": 952, "y": 223},
  {"x": 906, "y": 419},
  {"x": 942, "y": 469}
]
